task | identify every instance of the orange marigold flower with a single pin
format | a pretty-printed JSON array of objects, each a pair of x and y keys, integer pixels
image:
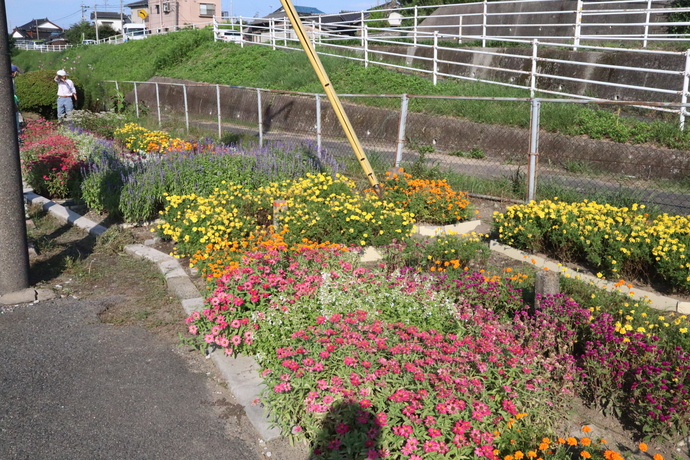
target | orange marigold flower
[
  {"x": 658, "y": 457},
  {"x": 543, "y": 446},
  {"x": 586, "y": 441},
  {"x": 608, "y": 454},
  {"x": 561, "y": 441},
  {"x": 518, "y": 455},
  {"x": 546, "y": 440},
  {"x": 508, "y": 457},
  {"x": 586, "y": 429},
  {"x": 643, "y": 447},
  {"x": 585, "y": 454},
  {"x": 531, "y": 454},
  {"x": 571, "y": 441}
]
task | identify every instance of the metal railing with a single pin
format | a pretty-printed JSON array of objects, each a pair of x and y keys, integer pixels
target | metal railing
[{"x": 407, "y": 130}]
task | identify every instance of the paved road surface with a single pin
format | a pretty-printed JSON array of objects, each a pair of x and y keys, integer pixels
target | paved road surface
[{"x": 74, "y": 388}]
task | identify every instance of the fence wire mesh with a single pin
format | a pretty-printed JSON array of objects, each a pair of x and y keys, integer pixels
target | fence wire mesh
[{"x": 434, "y": 136}]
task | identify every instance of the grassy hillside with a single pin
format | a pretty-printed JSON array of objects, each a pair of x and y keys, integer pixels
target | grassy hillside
[{"x": 193, "y": 55}]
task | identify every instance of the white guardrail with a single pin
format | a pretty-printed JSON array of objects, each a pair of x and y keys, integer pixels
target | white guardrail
[{"x": 362, "y": 33}]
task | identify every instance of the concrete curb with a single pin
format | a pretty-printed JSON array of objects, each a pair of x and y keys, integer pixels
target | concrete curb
[
  {"x": 63, "y": 213},
  {"x": 656, "y": 301},
  {"x": 241, "y": 373}
]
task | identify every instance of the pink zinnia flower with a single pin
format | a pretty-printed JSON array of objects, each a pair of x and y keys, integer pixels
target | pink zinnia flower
[
  {"x": 236, "y": 340},
  {"x": 193, "y": 329},
  {"x": 209, "y": 338}
]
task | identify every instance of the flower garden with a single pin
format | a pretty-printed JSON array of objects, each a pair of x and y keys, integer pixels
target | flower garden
[{"x": 418, "y": 356}]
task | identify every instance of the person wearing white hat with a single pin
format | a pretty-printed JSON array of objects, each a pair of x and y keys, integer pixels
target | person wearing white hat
[{"x": 67, "y": 93}]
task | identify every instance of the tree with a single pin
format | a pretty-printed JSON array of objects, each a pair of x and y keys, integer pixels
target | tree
[
  {"x": 679, "y": 17},
  {"x": 84, "y": 30}
]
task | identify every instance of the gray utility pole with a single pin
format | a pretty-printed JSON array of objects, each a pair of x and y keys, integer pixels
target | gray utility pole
[
  {"x": 83, "y": 11},
  {"x": 95, "y": 19},
  {"x": 14, "y": 252}
]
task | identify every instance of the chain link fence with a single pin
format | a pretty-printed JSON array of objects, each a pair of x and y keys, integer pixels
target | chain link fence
[{"x": 431, "y": 135}]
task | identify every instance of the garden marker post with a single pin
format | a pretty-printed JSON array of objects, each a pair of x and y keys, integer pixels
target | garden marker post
[
  {"x": 260, "y": 116},
  {"x": 136, "y": 98},
  {"x": 318, "y": 126},
  {"x": 533, "y": 149},
  {"x": 401, "y": 130},
  {"x": 14, "y": 250},
  {"x": 220, "y": 121},
  {"x": 186, "y": 107},
  {"x": 331, "y": 94},
  {"x": 158, "y": 104}
]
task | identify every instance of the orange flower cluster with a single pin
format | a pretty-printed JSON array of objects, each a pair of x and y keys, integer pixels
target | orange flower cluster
[
  {"x": 218, "y": 258},
  {"x": 433, "y": 201}
]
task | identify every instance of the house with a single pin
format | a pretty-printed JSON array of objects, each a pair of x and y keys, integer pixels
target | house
[
  {"x": 140, "y": 11},
  {"x": 259, "y": 30},
  {"x": 37, "y": 29},
  {"x": 164, "y": 15},
  {"x": 106, "y": 18}
]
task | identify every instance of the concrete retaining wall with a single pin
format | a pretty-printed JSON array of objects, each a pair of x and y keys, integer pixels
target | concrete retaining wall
[{"x": 296, "y": 114}]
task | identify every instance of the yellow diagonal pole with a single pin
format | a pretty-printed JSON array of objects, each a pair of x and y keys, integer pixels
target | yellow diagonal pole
[{"x": 330, "y": 93}]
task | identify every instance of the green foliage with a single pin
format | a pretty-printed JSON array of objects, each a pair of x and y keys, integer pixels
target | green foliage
[
  {"x": 679, "y": 17},
  {"x": 475, "y": 153},
  {"x": 37, "y": 92},
  {"x": 83, "y": 30}
]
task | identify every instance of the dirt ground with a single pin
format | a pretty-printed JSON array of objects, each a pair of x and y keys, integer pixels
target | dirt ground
[{"x": 74, "y": 264}]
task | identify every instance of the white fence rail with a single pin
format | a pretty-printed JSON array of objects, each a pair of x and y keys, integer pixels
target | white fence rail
[{"x": 536, "y": 63}]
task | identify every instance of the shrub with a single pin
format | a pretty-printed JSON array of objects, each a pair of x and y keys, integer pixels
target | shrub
[
  {"x": 37, "y": 92},
  {"x": 208, "y": 167},
  {"x": 617, "y": 241},
  {"x": 103, "y": 124},
  {"x": 51, "y": 166},
  {"x": 445, "y": 253},
  {"x": 431, "y": 201}
]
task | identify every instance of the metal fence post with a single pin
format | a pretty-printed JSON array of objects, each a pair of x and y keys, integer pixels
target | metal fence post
[
  {"x": 686, "y": 83},
  {"x": 136, "y": 98},
  {"x": 484, "y": 11},
  {"x": 320, "y": 30},
  {"x": 158, "y": 104},
  {"x": 415, "y": 26},
  {"x": 401, "y": 130},
  {"x": 435, "y": 57},
  {"x": 318, "y": 125},
  {"x": 272, "y": 33},
  {"x": 313, "y": 34},
  {"x": 533, "y": 149},
  {"x": 215, "y": 29},
  {"x": 186, "y": 107},
  {"x": 260, "y": 118},
  {"x": 361, "y": 30},
  {"x": 117, "y": 87},
  {"x": 578, "y": 25},
  {"x": 646, "y": 24},
  {"x": 365, "y": 35},
  {"x": 460, "y": 29},
  {"x": 533, "y": 73},
  {"x": 241, "y": 34},
  {"x": 220, "y": 121}
]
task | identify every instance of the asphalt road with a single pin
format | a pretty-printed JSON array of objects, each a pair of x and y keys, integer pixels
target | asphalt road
[{"x": 74, "y": 388}]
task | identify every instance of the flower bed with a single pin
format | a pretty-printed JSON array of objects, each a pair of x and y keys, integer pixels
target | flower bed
[
  {"x": 620, "y": 242},
  {"x": 364, "y": 363}
]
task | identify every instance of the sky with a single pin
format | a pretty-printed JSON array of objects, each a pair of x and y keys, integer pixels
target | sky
[{"x": 64, "y": 13}]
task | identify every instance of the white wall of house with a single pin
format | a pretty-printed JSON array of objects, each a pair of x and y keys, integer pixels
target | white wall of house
[{"x": 167, "y": 14}]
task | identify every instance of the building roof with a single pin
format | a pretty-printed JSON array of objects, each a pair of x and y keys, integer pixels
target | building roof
[
  {"x": 108, "y": 15},
  {"x": 307, "y": 10},
  {"x": 44, "y": 24},
  {"x": 138, "y": 4}
]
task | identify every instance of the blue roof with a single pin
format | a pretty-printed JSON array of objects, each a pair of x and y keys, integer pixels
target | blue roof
[{"x": 307, "y": 10}]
